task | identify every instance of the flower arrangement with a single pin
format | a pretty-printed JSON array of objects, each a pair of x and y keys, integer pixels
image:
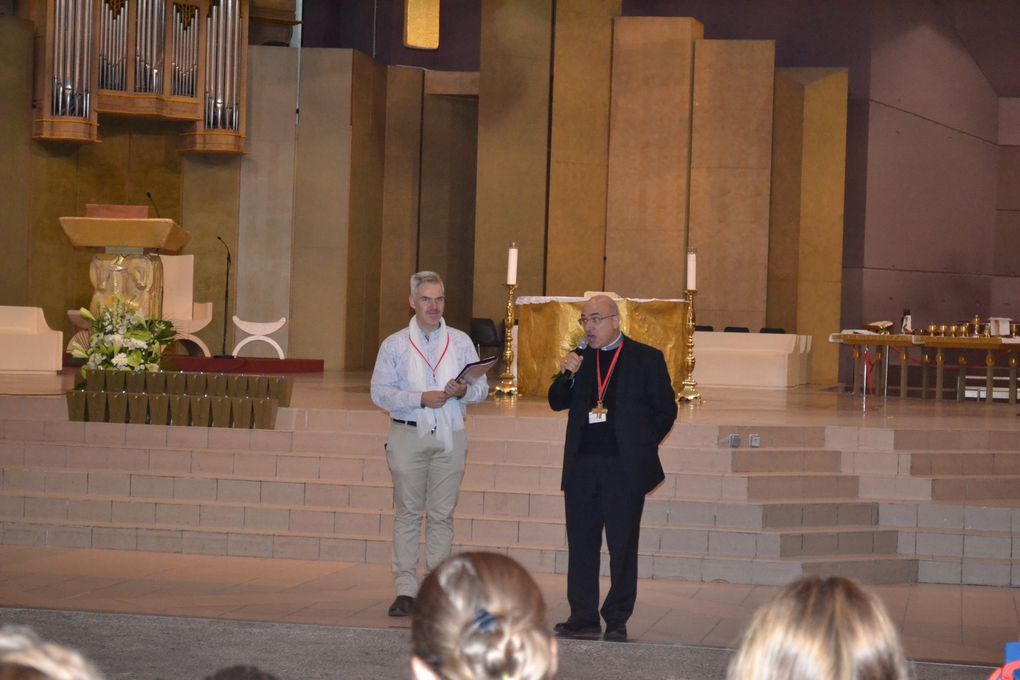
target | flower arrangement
[{"x": 122, "y": 339}]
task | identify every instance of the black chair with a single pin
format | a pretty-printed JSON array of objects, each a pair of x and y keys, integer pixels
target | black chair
[
  {"x": 768, "y": 329},
  {"x": 736, "y": 329},
  {"x": 699, "y": 327},
  {"x": 484, "y": 334}
]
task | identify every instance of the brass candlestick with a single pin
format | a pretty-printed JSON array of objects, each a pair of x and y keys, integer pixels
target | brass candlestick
[
  {"x": 689, "y": 393},
  {"x": 507, "y": 386}
]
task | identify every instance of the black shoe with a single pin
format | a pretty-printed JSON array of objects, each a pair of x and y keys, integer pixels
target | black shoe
[
  {"x": 615, "y": 633},
  {"x": 575, "y": 628},
  {"x": 402, "y": 606}
]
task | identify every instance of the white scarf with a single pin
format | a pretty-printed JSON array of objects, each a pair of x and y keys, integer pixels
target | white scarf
[{"x": 450, "y": 418}]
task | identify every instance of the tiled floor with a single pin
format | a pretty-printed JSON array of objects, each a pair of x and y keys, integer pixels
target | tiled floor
[{"x": 938, "y": 623}]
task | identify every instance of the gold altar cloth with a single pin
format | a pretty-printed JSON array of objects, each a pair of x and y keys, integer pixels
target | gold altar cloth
[{"x": 548, "y": 330}]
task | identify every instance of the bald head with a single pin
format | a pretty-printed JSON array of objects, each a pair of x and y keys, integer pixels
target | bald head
[{"x": 600, "y": 320}]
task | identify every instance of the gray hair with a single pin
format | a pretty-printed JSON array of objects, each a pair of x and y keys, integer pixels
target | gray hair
[{"x": 424, "y": 277}]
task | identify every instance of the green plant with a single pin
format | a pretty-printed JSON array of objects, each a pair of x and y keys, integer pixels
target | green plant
[{"x": 122, "y": 339}]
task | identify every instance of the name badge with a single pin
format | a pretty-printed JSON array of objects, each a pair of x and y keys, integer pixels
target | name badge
[{"x": 596, "y": 417}]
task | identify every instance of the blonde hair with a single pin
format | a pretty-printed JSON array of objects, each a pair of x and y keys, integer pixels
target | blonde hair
[
  {"x": 481, "y": 615},
  {"x": 25, "y": 656},
  {"x": 821, "y": 629}
]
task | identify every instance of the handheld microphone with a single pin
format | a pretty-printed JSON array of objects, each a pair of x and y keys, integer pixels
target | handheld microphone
[
  {"x": 581, "y": 344},
  {"x": 155, "y": 207}
]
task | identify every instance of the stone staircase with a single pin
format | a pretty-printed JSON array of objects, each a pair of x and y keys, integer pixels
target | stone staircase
[{"x": 881, "y": 505}]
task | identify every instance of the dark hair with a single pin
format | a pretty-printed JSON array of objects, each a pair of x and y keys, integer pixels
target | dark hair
[
  {"x": 480, "y": 616},
  {"x": 241, "y": 672}
]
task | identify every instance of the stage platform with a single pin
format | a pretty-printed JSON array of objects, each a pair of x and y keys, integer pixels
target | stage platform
[{"x": 899, "y": 493}]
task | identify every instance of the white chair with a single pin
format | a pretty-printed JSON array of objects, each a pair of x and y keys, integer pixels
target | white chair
[
  {"x": 81, "y": 335},
  {"x": 27, "y": 343},
  {"x": 258, "y": 331},
  {"x": 179, "y": 307}
]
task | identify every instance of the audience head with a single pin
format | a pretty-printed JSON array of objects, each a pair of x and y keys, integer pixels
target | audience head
[
  {"x": 821, "y": 629},
  {"x": 241, "y": 672},
  {"x": 479, "y": 616},
  {"x": 25, "y": 656}
]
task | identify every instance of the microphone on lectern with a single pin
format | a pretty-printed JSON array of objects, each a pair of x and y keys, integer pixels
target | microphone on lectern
[
  {"x": 226, "y": 303},
  {"x": 155, "y": 207}
]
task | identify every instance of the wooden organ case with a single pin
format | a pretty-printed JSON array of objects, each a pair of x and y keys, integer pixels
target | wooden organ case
[{"x": 184, "y": 61}]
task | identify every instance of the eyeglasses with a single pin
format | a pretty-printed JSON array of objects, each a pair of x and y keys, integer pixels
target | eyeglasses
[{"x": 594, "y": 318}]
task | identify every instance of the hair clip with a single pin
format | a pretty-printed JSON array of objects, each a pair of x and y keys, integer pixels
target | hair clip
[{"x": 484, "y": 620}]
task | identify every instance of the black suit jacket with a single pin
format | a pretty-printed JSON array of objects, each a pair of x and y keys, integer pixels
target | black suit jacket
[{"x": 644, "y": 411}]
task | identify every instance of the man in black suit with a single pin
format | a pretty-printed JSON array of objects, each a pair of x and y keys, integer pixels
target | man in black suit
[{"x": 622, "y": 406}]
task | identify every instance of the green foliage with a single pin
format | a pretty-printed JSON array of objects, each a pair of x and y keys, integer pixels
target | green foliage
[{"x": 122, "y": 339}]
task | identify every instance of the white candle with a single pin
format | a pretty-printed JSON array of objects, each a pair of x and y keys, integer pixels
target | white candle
[
  {"x": 692, "y": 271},
  {"x": 511, "y": 266}
]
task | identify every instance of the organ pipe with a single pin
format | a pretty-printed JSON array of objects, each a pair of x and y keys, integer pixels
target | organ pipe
[{"x": 180, "y": 60}]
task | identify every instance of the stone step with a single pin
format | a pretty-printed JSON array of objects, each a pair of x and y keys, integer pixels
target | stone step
[
  {"x": 965, "y": 463},
  {"x": 533, "y": 504},
  {"x": 981, "y": 572},
  {"x": 758, "y": 486},
  {"x": 871, "y": 569},
  {"x": 980, "y": 517},
  {"x": 764, "y": 514},
  {"x": 252, "y": 543},
  {"x": 500, "y": 524},
  {"x": 971, "y": 488}
]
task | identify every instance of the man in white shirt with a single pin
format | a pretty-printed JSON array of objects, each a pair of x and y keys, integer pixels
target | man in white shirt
[{"x": 415, "y": 380}]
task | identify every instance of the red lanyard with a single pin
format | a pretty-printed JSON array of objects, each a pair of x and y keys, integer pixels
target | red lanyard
[
  {"x": 603, "y": 384},
  {"x": 431, "y": 367}
]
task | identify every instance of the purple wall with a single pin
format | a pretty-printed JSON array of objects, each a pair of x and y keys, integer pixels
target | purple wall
[{"x": 349, "y": 24}]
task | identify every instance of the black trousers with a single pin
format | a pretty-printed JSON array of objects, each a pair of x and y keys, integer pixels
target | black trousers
[{"x": 596, "y": 499}]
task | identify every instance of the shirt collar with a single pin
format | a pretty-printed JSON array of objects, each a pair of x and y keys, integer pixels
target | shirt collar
[
  {"x": 429, "y": 336},
  {"x": 614, "y": 344}
]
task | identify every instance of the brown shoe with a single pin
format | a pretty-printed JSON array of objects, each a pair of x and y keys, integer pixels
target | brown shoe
[{"x": 402, "y": 606}]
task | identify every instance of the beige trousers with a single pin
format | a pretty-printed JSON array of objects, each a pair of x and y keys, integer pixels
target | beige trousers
[{"x": 426, "y": 481}]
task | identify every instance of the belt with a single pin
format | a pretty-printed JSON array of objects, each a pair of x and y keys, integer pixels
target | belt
[{"x": 409, "y": 423}]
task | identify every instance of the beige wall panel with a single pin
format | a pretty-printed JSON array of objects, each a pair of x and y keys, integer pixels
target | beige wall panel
[
  {"x": 210, "y": 207},
  {"x": 821, "y": 234},
  {"x": 321, "y": 208},
  {"x": 649, "y": 154},
  {"x": 577, "y": 219},
  {"x": 267, "y": 193},
  {"x": 731, "y": 158},
  {"x": 732, "y": 256},
  {"x": 400, "y": 194},
  {"x": 447, "y": 239},
  {"x": 58, "y": 275},
  {"x": 806, "y": 240},
  {"x": 364, "y": 238},
  {"x": 513, "y": 126},
  {"x": 579, "y": 157},
  {"x": 784, "y": 218},
  {"x": 103, "y": 169},
  {"x": 16, "y": 37}
]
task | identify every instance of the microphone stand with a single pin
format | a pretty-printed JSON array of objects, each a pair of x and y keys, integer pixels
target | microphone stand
[{"x": 226, "y": 304}]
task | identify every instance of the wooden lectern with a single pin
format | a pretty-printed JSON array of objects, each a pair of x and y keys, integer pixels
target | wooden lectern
[{"x": 129, "y": 266}]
